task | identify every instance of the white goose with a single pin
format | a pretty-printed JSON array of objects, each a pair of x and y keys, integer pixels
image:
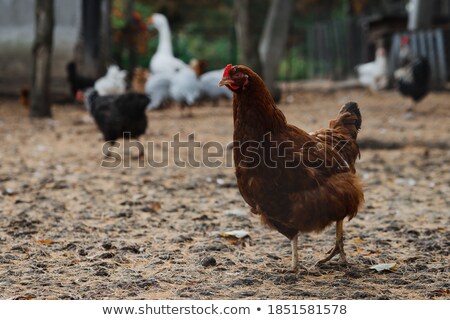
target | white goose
[
  {"x": 163, "y": 60},
  {"x": 184, "y": 86}
]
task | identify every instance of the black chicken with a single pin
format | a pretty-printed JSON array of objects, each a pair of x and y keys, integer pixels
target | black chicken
[
  {"x": 76, "y": 81},
  {"x": 118, "y": 114},
  {"x": 413, "y": 77}
]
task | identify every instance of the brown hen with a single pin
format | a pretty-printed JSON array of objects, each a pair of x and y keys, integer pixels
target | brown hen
[{"x": 296, "y": 181}]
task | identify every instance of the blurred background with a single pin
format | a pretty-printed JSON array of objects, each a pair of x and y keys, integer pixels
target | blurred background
[
  {"x": 74, "y": 226},
  {"x": 325, "y": 39}
]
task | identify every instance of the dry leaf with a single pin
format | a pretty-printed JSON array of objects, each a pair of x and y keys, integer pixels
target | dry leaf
[
  {"x": 384, "y": 266},
  {"x": 239, "y": 234},
  {"x": 370, "y": 252},
  {"x": 138, "y": 196},
  {"x": 45, "y": 241},
  {"x": 441, "y": 291},
  {"x": 24, "y": 298},
  {"x": 156, "y": 206}
]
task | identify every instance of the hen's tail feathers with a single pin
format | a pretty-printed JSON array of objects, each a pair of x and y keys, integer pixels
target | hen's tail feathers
[{"x": 349, "y": 119}]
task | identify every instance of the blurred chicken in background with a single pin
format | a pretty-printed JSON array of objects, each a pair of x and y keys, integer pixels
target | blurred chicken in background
[
  {"x": 140, "y": 77},
  {"x": 24, "y": 97},
  {"x": 374, "y": 75},
  {"x": 76, "y": 81},
  {"x": 413, "y": 77},
  {"x": 114, "y": 82}
]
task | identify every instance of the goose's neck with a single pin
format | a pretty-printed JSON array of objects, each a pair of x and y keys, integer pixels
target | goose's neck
[{"x": 165, "y": 40}]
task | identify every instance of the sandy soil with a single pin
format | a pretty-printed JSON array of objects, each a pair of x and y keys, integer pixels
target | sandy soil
[{"x": 72, "y": 229}]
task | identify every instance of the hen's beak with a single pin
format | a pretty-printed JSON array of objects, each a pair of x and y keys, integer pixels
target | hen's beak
[{"x": 225, "y": 82}]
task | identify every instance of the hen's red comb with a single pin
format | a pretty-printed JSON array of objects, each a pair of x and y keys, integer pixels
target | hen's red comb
[{"x": 227, "y": 70}]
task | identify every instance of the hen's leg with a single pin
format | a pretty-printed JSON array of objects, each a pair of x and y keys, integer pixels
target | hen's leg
[
  {"x": 294, "y": 263},
  {"x": 339, "y": 246},
  {"x": 294, "y": 247},
  {"x": 410, "y": 111},
  {"x": 410, "y": 108}
]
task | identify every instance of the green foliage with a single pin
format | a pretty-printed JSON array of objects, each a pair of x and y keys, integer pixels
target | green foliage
[
  {"x": 200, "y": 29},
  {"x": 204, "y": 30},
  {"x": 294, "y": 66}
]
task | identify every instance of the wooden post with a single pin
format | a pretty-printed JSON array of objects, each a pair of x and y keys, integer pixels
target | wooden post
[
  {"x": 247, "y": 32},
  {"x": 420, "y": 14},
  {"x": 131, "y": 45},
  {"x": 273, "y": 42},
  {"x": 105, "y": 32},
  {"x": 89, "y": 45},
  {"x": 42, "y": 52}
]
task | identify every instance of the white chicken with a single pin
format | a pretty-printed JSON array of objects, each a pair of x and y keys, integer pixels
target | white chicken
[
  {"x": 209, "y": 90},
  {"x": 113, "y": 83},
  {"x": 374, "y": 75},
  {"x": 185, "y": 87},
  {"x": 163, "y": 60},
  {"x": 157, "y": 87},
  {"x": 170, "y": 77}
]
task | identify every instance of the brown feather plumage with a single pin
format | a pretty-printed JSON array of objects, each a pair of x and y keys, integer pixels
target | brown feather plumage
[{"x": 318, "y": 186}]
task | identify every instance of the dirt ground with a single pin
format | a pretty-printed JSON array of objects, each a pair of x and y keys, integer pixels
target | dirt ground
[{"x": 72, "y": 229}]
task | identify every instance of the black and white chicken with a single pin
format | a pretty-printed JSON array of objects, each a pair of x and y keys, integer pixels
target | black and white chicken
[
  {"x": 413, "y": 77},
  {"x": 116, "y": 115}
]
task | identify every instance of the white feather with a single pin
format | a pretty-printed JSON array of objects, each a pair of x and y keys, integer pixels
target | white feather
[
  {"x": 209, "y": 85},
  {"x": 112, "y": 83},
  {"x": 157, "y": 87},
  {"x": 374, "y": 75},
  {"x": 185, "y": 86}
]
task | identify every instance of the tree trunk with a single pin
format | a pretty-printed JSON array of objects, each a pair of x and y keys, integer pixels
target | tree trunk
[
  {"x": 131, "y": 45},
  {"x": 105, "y": 33},
  {"x": 42, "y": 51},
  {"x": 273, "y": 42},
  {"x": 247, "y": 32},
  {"x": 88, "y": 46},
  {"x": 420, "y": 14}
]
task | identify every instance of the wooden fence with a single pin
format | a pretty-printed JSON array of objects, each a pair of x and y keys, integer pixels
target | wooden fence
[{"x": 334, "y": 48}]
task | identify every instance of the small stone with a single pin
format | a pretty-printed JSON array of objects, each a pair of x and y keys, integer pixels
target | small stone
[
  {"x": 106, "y": 255},
  {"x": 208, "y": 261},
  {"x": 107, "y": 245},
  {"x": 102, "y": 273},
  {"x": 181, "y": 239},
  {"x": 145, "y": 283},
  {"x": 238, "y": 212},
  {"x": 9, "y": 192}
]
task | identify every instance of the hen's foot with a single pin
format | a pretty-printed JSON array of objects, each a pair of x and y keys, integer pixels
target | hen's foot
[
  {"x": 297, "y": 268},
  {"x": 338, "y": 249}
]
